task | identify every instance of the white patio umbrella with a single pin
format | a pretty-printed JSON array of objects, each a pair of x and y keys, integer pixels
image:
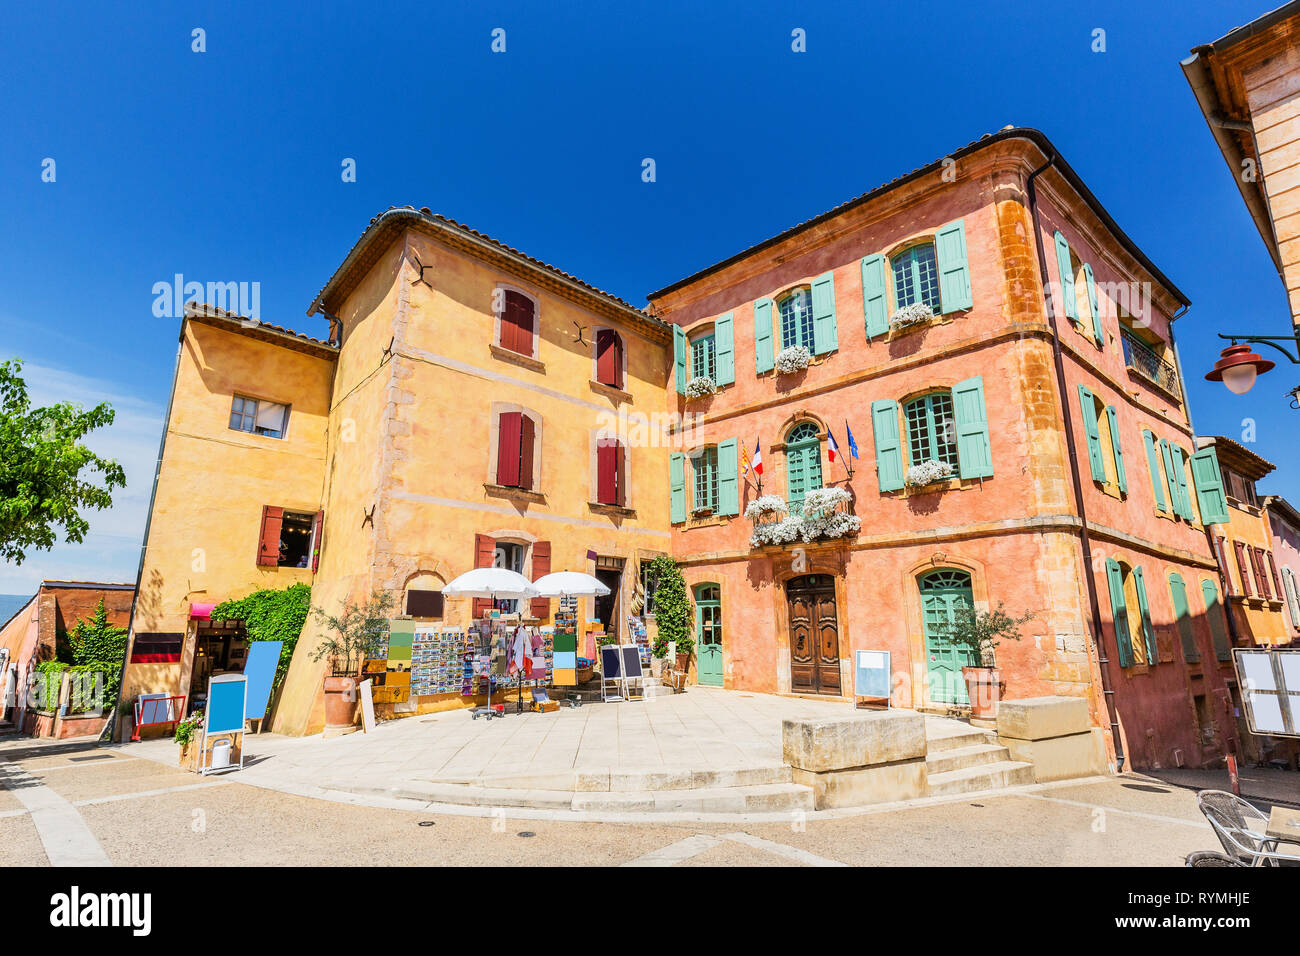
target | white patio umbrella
[
  {"x": 570, "y": 584},
  {"x": 499, "y": 583}
]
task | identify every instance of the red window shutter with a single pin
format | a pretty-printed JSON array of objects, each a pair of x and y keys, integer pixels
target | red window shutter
[
  {"x": 508, "y": 449},
  {"x": 541, "y": 607},
  {"x": 1221, "y": 554},
  {"x": 268, "y": 549},
  {"x": 485, "y": 552},
  {"x": 317, "y": 539},
  {"x": 1277, "y": 582},
  {"x": 609, "y": 358},
  {"x": 527, "y": 434},
  {"x": 517, "y": 324},
  {"x": 607, "y": 471},
  {"x": 1261, "y": 574},
  {"x": 1242, "y": 567}
]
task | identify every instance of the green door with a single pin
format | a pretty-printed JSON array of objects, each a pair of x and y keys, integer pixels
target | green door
[
  {"x": 708, "y": 628},
  {"x": 942, "y": 592}
]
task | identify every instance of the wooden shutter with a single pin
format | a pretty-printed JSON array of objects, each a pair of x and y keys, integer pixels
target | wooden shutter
[
  {"x": 485, "y": 553},
  {"x": 517, "y": 323},
  {"x": 1119, "y": 611},
  {"x": 764, "y": 359},
  {"x": 1171, "y": 478},
  {"x": 1067, "y": 279},
  {"x": 607, "y": 471},
  {"x": 1261, "y": 574},
  {"x": 679, "y": 359},
  {"x": 728, "y": 478},
  {"x": 1208, "y": 479},
  {"x": 527, "y": 437},
  {"x": 1120, "y": 476},
  {"x": 954, "y": 270},
  {"x": 676, "y": 487},
  {"x": 1272, "y": 567},
  {"x": 1088, "y": 408},
  {"x": 1222, "y": 555},
  {"x": 974, "y": 456},
  {"x": 1180, "y": 471},
  {"x": 540, "y": 606},
  {"x": 1153, "y": 465},
  {"x": 724, "y": 348},
  {"x": 1148, "y": 632},
  {"x": 1243, "y": 568},
  {"x": 609, "y": 358},
  {"x": 889, "y": 448},
  {"x": 874, "y": 305},
  {"x": 1292, "y": 596},
  {"x": 825, "y": 336},
  {"x": 509, "y": 430},
  {"x": 317, "y": 539},
  {"x": 1218, "y": 627},
  {"x": 268, "y": 547},
  {"x": 1097, "y": 334},
  {"x": 1183, "y": 618}
]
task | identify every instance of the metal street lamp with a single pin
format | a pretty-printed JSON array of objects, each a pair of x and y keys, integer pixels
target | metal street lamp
[{"x": 1238, "y": 367}]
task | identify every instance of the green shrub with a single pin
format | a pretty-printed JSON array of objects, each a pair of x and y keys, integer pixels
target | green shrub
[
  {"x": 674, "y": 613},
  {"x": 271, "y": 615}
]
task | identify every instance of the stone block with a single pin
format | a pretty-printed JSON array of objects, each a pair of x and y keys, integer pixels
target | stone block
[
  {"x": 1058, "y": 758},
  {"x": 846, "y": 743},
  {"x": 1038, "y": 718},
  {"x": 886, "y": 783}
]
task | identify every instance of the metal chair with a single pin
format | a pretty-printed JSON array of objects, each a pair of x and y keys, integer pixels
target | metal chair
[
  {"x": 1210, "y": 858},
  {"x": 1241, "y": 827}
]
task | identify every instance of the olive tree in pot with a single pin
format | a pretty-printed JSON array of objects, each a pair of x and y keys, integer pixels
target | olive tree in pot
[
  {"x": 980, "y": 633},
  {"x": 350, "y": 637}
]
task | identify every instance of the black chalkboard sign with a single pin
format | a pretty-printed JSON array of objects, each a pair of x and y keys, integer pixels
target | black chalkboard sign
[
  {"x": 609, "y": 662},
  {"x": 631, "y": 660}
]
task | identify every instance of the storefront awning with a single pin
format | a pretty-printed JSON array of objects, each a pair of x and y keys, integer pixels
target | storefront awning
[{"x": 201, "y": 612}]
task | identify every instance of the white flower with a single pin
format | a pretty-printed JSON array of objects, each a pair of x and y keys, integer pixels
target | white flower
[
  {"x": 766, "y": 505},
  {"x": 794, "y": 359},
  {"x": 928, "y": 472},
  {"x": 822, "y": 501},
  {"x": 818, "y": 518},
  {"x": 909, "y": 315},
  {"x": 700, "y": 386}
]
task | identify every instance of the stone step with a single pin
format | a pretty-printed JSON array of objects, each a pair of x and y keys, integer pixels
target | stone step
[
  {"x": 959, "y": 758},
  {"x": 956, "y": 739},
  {"x": 618, "y": 780},
  {"x": 767, "y": 798},
  {"x": 991, "y": 776}
]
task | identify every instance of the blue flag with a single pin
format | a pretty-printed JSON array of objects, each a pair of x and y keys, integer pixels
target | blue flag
[{"x": 853, "y": 446}]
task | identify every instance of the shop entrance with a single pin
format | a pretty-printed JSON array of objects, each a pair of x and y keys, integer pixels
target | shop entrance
[
  {"x": 942, "y": 593},
  {"x": 814, "y": 635},
  {"x": 219, "y": 648},
  {"x": 609, "y": 571}
]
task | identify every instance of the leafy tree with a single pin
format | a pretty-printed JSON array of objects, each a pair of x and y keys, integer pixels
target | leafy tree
[
  {"x": 271, "y": 615},
  {"x": 674, "y": 614},
  {"x": 46, "y": 473},
  {"x": 980, "y": 632}
]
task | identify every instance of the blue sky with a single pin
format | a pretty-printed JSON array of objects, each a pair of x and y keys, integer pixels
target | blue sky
[{"x": 225, "y": 165}]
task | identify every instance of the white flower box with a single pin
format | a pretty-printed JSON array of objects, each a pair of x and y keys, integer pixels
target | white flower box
[
  {"x": 700, "y": 386},
  {"x": 927, "y": 473},
  {"x": 909, "y": 316},
  {"x": 794, "y": 359}
]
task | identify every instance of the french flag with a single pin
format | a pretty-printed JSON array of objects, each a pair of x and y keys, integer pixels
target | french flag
[
  {"x": 757, "y": 463},
  {"x": 833, "y": 451}
]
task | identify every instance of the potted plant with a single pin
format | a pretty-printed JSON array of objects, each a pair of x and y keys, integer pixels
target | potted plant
[
  {"x": 184, "y": 736},
  {"x": 674, "y": 614},
  {"x": 980, "y": 633},
  {"x": 701, "y": 386},
  {"x": 793, "y": 359},
  {"x": 350, "y": 637},
  {"x": 910, "y": 317},
  {"x": 927, "y": 473}
]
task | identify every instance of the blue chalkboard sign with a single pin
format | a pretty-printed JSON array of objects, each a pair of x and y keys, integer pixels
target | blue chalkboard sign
[
  {"x": 871, "y": 675},
  {"x": 226, "y": 693}
]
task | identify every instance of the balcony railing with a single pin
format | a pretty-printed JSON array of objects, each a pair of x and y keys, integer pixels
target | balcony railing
[{"x": 1139, "y": 357}]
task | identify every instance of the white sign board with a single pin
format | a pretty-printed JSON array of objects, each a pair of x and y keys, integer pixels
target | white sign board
[
  {"x": 1270, "y": 687},
  {"x": 367, "y": 706}
]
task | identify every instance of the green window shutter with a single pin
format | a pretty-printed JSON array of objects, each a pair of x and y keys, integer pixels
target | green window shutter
[
  {"x": 1180, "y": 469},
  {"x": 763, "y": 357},
  {"x": 728, "y": 479},
  {"x": 1171, "y": 478},
  {"x": 1148, "y": 632},
  {"x": 1089, "y": 409},
  {"x": 889, "y": 451},
  {"x": 1213, "y": 611},
  {"x": 1183, "y": 618},
  {"x": 724, "y": 344},
  {"x": 676, "y": 487},
  {"x": 1153, "y": 465},
  {"x": 1209, "y": 487},
  {"x": 954, "y": 270},
  {"x": 1292, "y": 595},
  {"x": 1120, "y": 475},
  {"x": 1119, "y": 612},
  {"x": 825, "y": 337},
  {"x": 1067, "y": 279},
  {"x": 974, "y": 457},
  {"x": 873, "y": 296},
  {"x": 1097, "y": 332},
  {"x": 679, "y": 358}
]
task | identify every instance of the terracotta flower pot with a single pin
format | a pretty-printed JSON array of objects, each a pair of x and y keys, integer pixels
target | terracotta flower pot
[
  {"x": 683, "y": 662},
  {"x": 984, "y": 688},
  {"x": 340, "y": 703}
]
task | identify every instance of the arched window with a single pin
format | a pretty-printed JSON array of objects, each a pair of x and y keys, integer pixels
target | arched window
[
  {"x": 916, "y": 277},
  {"x": 797, "y": 319},
  {"x": 931, "y": 429},
  {"x": 803, "y": 461}
]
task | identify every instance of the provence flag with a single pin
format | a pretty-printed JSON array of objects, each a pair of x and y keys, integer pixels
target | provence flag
[
  {"x": 744, "y": 461},
  {"x": 853, "y": 446}
]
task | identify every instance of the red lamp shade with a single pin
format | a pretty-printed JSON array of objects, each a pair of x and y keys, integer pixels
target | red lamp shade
[{"x": 1237, "y": 368}]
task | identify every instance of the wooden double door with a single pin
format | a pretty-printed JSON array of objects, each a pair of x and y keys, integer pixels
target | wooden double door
[{"x": 814, "y": 635}]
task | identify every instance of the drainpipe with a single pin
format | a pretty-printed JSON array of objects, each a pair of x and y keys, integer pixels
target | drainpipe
[{"x": 1085, "y": 542}]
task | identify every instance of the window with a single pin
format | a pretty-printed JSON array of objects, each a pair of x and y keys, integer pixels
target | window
[
  {"x": 704, "y": 357},
  {"x": 649, "y": 587},
  {"x": 931, "y": 431},
  {"x": 1135, "y": 638},
  {"x": 1105, "y": 450},
  {"x": 610, "y": 466},
  {"x": 916, "y": 277},
  {"x": 706, "y": 480},
  {"x": 797, "y": 320},
  {"x": 1243, "y": 569},
  {"x": 259, "y": 417},
  {"x": 1183, "y": 618},
  {"x": 516, "y": 450},
  {"x": 518, "y": 322},
  {"x": 510, "y": 556},
  {"x": 289, "y": 539},
  {"x": 803, "y": 461},
  {"x": 609, "y": 358}
]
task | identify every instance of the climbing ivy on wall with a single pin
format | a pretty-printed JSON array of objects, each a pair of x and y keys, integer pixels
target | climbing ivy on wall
[
  {"x": 271, "y": 615},
  {"x": 674, "y": 614}
]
